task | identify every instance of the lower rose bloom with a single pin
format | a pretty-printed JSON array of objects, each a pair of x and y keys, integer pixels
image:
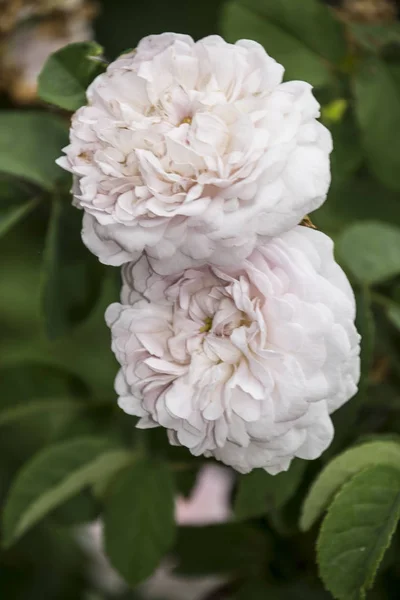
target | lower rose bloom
[{"x": 242, "y": 364}]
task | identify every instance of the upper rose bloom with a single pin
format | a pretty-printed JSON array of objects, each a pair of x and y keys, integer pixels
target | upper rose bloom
[
  {"x": 193, "y": 150},
  {"x": 244, "y": 364}
]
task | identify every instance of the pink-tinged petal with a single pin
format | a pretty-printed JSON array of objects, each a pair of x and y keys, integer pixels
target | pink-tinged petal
[
  {"x": 209, "y": 501},
  {"x": 243, "y": 364},
  {"x": 195, "y": 150},
  {"x": 153, "y": 342},
  {"x": 245, "y": 380},
  {"x": 214, "y": 410},
  {"x": 163, "y": 366},
  {"x": 147, "y": 423},
  {"x": 245, "y": 406},
  {"x": 132, "y": 406},
  {"x": 177, "y": 399}
]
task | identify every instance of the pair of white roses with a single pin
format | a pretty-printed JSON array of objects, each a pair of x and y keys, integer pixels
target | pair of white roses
[{"x": 194, "y": 165}]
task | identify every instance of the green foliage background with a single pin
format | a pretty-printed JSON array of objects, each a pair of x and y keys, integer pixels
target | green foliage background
[{"x": 68, "y": 454}]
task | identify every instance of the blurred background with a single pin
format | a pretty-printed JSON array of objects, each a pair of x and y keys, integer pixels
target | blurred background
[{"x": 357, "y": 81}]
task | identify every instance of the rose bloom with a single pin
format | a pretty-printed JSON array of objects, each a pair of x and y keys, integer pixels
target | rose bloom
[
  {"x": 244, "y": 364},
  {"x": 194, "y": 152}
]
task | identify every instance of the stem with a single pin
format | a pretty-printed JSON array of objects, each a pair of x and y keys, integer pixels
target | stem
[{"x": 383, "y": 301}]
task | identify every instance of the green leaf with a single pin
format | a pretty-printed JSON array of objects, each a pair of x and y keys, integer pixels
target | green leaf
[
  {"x": 339, "y": 470},
  {"x": 354, "y": 200},
  {"x": 346, "y": 156},
  {"x": 366, "y": 327},
  {"x": 30, "y": 142},
  {"x": 36, "y": 407},
  {"x": 357, "y": 531},
  {"x": 49, "y": 565},
  {"x": 218, "y": 549},
  {"x": 303, "y": 36},
  {"x": 13, "y": 190},
  {"x": 379, "y": 437},
  {"x": 391, "y": 305},
  {"x": 68, "y": 72},
  {"x": 81, "y": 508},
  {"x": 53, "y": 476},
  {"x": 393, "y": 314},
  {"x": 26, "y": 382},
  {"x": 377, "y": 104},
  {"x": 23, "y": 381},
  {"x": 185, "y": 481},
  {"x": 374, "y": 36},
  {"x": 371, "y": 250},
  {"x": 11, "y": 215},
  {"x": 139, "y": 525},
  {"x": 258, "y": 492},
  {"x": 72, "y": 275},
  {"x": 103, "y": 485}
]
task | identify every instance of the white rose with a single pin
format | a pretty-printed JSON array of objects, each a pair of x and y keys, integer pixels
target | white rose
[
  {"x": 244, "y": 364},
  {"x": 195, "y": 152}
]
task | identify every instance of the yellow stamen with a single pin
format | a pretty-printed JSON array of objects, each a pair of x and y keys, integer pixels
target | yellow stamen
[{"x": 207, "y": 325}]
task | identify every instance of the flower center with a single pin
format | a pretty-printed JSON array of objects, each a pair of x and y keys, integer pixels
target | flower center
[
  {"x": 187, "y": 120},
  {"x": 207, "y": 325}
]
